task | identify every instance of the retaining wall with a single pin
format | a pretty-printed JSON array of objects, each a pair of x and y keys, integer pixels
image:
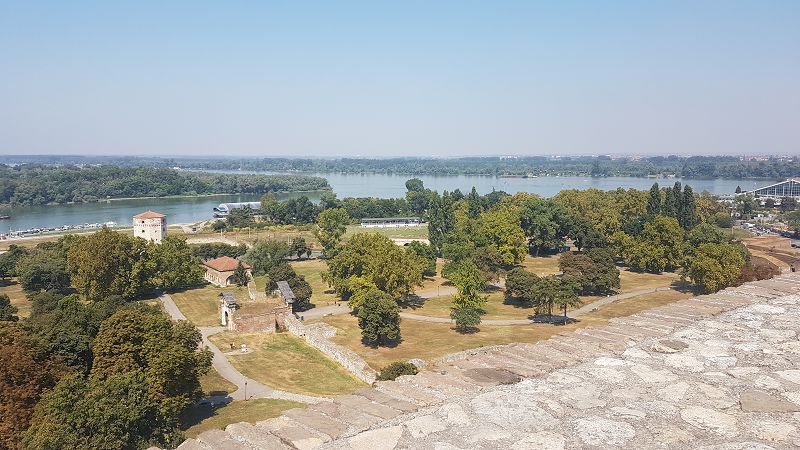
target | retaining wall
[{"x": 316, "y": 337}]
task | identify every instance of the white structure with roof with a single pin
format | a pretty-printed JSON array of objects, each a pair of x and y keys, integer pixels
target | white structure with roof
[
  {"x": 390, "y": 222},
  {"x": 150, "y": 226},
  {"x": 787, "y": 188}
]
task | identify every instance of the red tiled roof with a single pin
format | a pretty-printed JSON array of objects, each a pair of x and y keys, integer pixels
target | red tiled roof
[
  {"x": 225, "y": 264},
  {"x": 149, "y": 215}
]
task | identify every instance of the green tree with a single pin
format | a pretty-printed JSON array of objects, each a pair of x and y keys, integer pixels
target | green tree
[
  {"x": 654, "y": 200},
  {"x": 566, "y": 294},
  {"x": 745, "y": 204},
  {"x": 688, "y": 218},
  {"x": 379, "y": 261},
  {"x": 174, "y": 265},
  {"x": 788, "y": 204},
  {"x": 264, "y": 255},
  {"x": 722, "y": 220},
  {"x": 644, "y": 256},
  {"x": 167, "y": 353},
  {"x": 469, "y": 301},
  {"x": 441, "y": 220},
  {"x": 501, "y": 228},
  {"x": 9, "y": 260},
  {"x": 543, "y": 224},
  {"x": 111, "y": 413},
  {"x": 415, "y": 185},
  {"x": 299, "y": 246},
  {"x": 716, "y": 266},
  {"x": 240, "y": 217},
  {"x": 239, "y": 276},
  {"x": 666, "y": 233},
  {"x": 521, "y": 287},
  {"x": 475, "y": 204},
  {"x": 379, "y": 319},
  {"x": 595, "y": 271},
  {"x": 108, "y": 263},
  {"x": 8, "y": 312},
  {"x": 331, "y": 226},
  {"x": 705, "y": 234},
  {"x": 427, "y": 253}
]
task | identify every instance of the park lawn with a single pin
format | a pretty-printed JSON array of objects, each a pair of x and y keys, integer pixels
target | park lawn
[
  {"x": 205, "y": 417},
  {"x": 213, "y": 384},
  {"x": 201, "y": 305},
  {"x": 287, "y": 363},
  {"x": 428, "y": 341},
  {"x": 633, "y": 281},
  {"x": 14, "y": 291},
  {"x": 283, "y": 233},
  {"x": 633, "y": 305},
  {"x": 311, "y": 269},
  {"x": 400, "y": 232},
  {"x": 539, "y": 265},
  {"x": 261, "y": 283},
  {"x": 430, "y": 284}
]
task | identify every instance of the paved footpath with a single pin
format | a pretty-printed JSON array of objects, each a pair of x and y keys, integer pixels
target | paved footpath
[
  {"x": 718, "y": 372},
  {"x": 220, "y": 363}
]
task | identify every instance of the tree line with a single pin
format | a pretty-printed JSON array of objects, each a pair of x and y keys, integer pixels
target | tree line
[
  {"x": 689, "y": 167},
  {"x": 90, "y": 367},
  {"x": 34, "y": 184}
]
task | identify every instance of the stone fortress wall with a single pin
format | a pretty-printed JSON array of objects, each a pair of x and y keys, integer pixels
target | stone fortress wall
[
  {"x": 718, "y": 371},
  {"x": 318, "y": 336}
]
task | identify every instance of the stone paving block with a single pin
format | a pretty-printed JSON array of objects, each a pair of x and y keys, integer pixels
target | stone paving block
[
  {"x": 368, "y": 406},
  {"x": 398, "y": 403},
  {"x": 218, "y": 439},
  {"x": 496, "y": 376},
  {"x": 440, "y": 391},
  {"x": 254, "y": 436},
  {"x": 191, "y": 444},
  {"x": 407, "y": 392},
  {"x": 672, "y": 319},
  {"x": 442, "y": 378},
  {"x": 522, "y": 368},
  {"x": 353, "y": 418},
  {"x": 299, "y": 437},
  {"x": 316, "y": 421}
]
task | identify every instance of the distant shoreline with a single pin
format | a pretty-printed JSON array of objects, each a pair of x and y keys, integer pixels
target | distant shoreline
[{"x": 115, "y": 199}]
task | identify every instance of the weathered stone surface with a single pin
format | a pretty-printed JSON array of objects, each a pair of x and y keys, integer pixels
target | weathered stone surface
[
  {"x": 253, "y": 436},
  {"x": 380, "y": 439},
  {"x": 759, "y": 401},
  {"x": 718, "y": 372}
]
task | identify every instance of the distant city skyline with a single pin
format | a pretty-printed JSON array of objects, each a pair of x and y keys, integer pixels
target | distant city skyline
[{"x": 420, "y": 79}]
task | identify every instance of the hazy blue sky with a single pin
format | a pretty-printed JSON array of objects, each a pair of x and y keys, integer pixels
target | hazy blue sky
[{"x": 379, "y": 78}]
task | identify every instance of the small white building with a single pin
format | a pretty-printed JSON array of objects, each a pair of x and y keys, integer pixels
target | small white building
[
  {"x": 390, "y": 222},
  {"x": 150, "y": 226}
]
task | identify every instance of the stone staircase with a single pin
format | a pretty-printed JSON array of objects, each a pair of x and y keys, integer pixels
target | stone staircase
[{"x": 469, "y": 372}]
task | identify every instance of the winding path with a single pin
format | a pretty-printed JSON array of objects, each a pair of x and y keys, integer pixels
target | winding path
[{"x": 251, "y": 387}]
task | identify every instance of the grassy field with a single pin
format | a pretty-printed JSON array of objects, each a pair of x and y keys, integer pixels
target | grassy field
[
  {"x": 542, "y": 265},
  {"x": 213, "y": 384},
  {"x": 201, "y": 305},
  {"x": 311, "y": 270},
  {"x": 432, "y": 340},
  {"x": 17, "y": 296},
  {"x": 402, "y": 232},
  {"x": 287, "y": 363},
  {"x": 206, "y": 417}
]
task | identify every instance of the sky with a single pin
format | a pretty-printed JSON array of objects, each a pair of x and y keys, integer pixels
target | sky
[{"x": 402, "y": 78}]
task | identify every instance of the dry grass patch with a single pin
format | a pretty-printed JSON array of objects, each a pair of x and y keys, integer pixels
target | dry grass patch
[
  {"x": 201, "y": 305},
  {"x": 312, "y": 270},
  {"x": 541, "y": 265},
  {"x": 400, "y": 232},
  {"x": 17, "y": 296},
  {"x": 428, "y": 341},
  {"x": 633, "y": 281},
  {"x": 208, "y": 417},
  {"x": 287, "y": 363},
  {"x": 213, "y": 384}
]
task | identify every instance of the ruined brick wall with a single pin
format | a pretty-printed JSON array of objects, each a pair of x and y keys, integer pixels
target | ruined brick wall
[{"x": 268, "y": 322}]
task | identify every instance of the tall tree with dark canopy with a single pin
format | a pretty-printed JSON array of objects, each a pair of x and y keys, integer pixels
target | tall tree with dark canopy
[
  {"x": 379, "y": 319},
  {"x": 688, "y": 217},
  {"x": 654, "y": 200},
  {"x": 441, "y": 220}
]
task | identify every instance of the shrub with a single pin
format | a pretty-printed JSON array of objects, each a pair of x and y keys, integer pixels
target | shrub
[{"x": 397, "y": 369}]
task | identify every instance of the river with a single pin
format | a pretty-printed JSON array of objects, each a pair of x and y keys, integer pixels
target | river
[{"x": 194, "y": 209}]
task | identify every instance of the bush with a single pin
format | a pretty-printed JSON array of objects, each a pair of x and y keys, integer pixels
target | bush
[{"x": 395, "y": 370}]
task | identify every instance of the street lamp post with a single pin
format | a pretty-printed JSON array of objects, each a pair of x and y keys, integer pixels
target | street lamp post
[{"x": 245, "y": 390}]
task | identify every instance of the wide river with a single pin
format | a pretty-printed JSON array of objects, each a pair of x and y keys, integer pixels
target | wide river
[{"x": 189, "y": 210}]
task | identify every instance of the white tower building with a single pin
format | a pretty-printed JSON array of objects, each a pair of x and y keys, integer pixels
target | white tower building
[{"x": 150, "y": 226}]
